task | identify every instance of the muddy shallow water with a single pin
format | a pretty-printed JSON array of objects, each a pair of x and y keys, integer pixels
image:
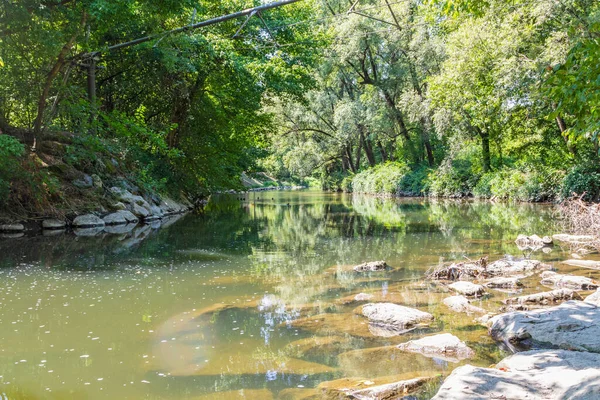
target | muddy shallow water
[{"x": 250, "y": 300}]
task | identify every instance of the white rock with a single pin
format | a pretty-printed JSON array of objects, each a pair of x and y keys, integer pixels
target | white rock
[
  {"x": 461, "y": 304},
  {"x": 12, "y": 228},
  {"x": 120, "y": 218},
  {"x": 444, "y": 346},
  {"x": 583, "y": 263},
  {"x": 545, "y": 298},
  {"x": 568, "y": 281},
  {"x": 394, "y": 316},
  {"x": 507, "y": 267},
  {"x": 535, "y": 375},
  {"x": 594, "y": 298},
  {"x": 467, "y": 288},
  {"x": 573, "y": 325}
]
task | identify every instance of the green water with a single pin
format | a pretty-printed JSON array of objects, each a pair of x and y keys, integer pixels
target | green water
[{"x": 206, "y": 304}]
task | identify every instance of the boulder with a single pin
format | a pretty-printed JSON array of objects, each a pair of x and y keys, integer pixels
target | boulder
[
  {"x": 12, "y": 228},
  {"x": 394, "y": 317},
  {"x": 53, "y": 224},
  {"x": 574, "y": 239},
  {"x": 139, "y": 211},
  {"x": 119, "y": 206},
  {"x": 443, "y": 346},
  {"x": 468, "y": 289},
  {"x": 396, "y": 390},
  {"x": 545, "y": 298},
  {"x": 594, "y": 298},
  {"x": 533, "y": 242},
  {"x": 120, "y": 218},
  {"x": 569, "y": 281},
  {"x": 583, "y": 263},
  {"x": 504, "y": 282},
  {"x": 573, "y": 325},
  {"x": 539, "y": 375},
  {"x": 481, "y": 269},
  {"x": 461, "y": 304},
  {"x": 88, "y": 221},
  {"x": 84, "y": 182},
  {"x": 372, "y": 266},
  {"x": 511, "y": 267}
]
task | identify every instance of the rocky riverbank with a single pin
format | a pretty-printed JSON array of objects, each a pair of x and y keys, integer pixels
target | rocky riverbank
[{"x": 127, "y": 210}]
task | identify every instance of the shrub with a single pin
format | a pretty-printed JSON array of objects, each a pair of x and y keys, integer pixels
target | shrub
[
  {"x": 415, "y": 183},
  {"x": 454, "y": 178},
  {"x": 11, "y": 151},
  {"x": 524, "y": 184},
  {"x": 383, "y": 179},
  {"x": 584, "y": 181}
]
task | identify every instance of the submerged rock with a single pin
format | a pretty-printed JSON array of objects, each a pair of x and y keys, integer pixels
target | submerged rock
[
  {"x": 461, "y": 304},
  {"x": 394, "y": 317},
  {"x": 88, "y": 221},
  {"x": 574, "y": 325},
  {"x": 545, "y": 298},
  {"x": 444, "y": 346},
  {"x": 372, "y": 266},
  {"x": 568, "y": 281},
  {"x": 467, "y": 288},
  {"x": 504, "y": 282},
  {"x": 540, "y": 375},
  {"x": 395, "y": 390},
  {"x": 583, "y": 263}
]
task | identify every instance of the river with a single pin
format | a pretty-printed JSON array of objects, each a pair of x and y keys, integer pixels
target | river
[{"x": 203, "y": 307}]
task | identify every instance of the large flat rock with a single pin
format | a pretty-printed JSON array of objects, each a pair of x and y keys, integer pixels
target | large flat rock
[
  {"x": 372, "y": 266},
  {"x": 539, "y": 375},
  {"x": 394, "y": 317},
  {"x": 573, "y": 325},
  {"x": 583, "y": 263},
  {"x": 461, "y": 304},
  {"x": 568, "y": 281},
  {"x": 544, "y": 298},
  {"x": 444, "y": 346},
  {"x": 468, "y": 289}
]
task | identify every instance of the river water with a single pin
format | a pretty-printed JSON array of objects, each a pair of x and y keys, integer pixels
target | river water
[{"x": 204, "y": 307}]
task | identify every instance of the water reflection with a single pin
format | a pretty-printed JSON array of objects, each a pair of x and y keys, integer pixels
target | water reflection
[{"x": 255, "y": 295}]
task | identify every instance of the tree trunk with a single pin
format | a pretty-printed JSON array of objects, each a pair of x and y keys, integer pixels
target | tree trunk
[
  {"x": 428, "y": 148},
  {"x": 382, "y": 151},
  {"x": 485, "y": 150},
  {"x": 367, "y": 146},
  {"x": 349, "y": 158},
  {"x": 358, "y": 155},
  {"x": 563, "y": 127},
  {"x": 60, "y": 61}
]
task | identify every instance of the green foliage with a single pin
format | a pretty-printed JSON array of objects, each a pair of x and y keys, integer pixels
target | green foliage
[
  {"x": 582, "y": 181},
  {"x": 454, "y": 178},
  {"x": 11, "y": 151},
  {"x": 384, "y": 179},
  {"x": 530, "y": 183},
  {"x": 416, "y": 182}
]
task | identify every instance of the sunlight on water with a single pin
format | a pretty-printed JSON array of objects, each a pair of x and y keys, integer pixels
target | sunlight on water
[{"x": 251, "y": 300}]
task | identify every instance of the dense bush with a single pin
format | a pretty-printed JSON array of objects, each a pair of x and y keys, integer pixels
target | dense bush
[
  {"x": 584, "y": 181},
  {"x": 383, "y": 179},
  {"x": 525, "y": 184},
  {"x": 415, "y": 182},
  {"x": 454, "y": 178},
  {"x": 11, "y": 150}
]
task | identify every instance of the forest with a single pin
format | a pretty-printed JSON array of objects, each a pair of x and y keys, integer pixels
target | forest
[{"x": 445, "y": 98}]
